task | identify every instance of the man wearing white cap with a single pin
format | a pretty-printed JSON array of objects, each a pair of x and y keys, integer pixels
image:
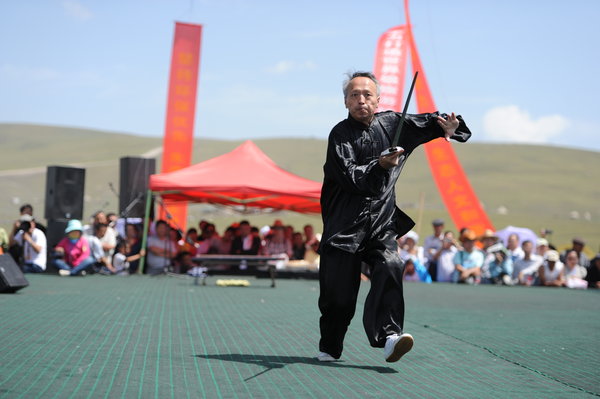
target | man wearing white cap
[{"x": 551, "y": 272}]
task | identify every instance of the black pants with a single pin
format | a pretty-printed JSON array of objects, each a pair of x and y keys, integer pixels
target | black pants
[{"x": 339, "y": 278}]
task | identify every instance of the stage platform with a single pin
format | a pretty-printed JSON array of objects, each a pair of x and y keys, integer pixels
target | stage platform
[{"x": 164, "y": 337}]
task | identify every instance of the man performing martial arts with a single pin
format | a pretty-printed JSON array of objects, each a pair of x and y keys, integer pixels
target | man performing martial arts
[{"x": 361, "y": 221}]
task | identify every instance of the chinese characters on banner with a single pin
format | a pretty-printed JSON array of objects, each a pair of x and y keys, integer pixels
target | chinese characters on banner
[
  {"x": 181, "y": 107},
  {"x": 390, "y": 65},
  {"x": 458, "y": 196}
]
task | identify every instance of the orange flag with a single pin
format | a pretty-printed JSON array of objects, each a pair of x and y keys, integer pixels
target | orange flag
[
  {"x": 181, "y": 107},
  {"x": 456, "y": 191}
]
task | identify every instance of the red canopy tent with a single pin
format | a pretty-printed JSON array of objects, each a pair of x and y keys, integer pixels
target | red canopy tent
[{"x": 243, "y": 177}]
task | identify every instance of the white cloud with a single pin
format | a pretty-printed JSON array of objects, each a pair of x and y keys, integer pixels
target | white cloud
[
  {"x": 287, "y": 66},
  {"x": 512, "y": 124},
  {"x": 76, "y": 10}
]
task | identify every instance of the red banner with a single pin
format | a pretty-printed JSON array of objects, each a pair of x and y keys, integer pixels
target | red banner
[
  {"x": 456, "y": 191},
  {"x": 181, "y": 107},
  {"x": 390, "y": 66}
]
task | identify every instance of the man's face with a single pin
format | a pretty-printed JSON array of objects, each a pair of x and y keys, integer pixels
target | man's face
[{"x": 362, "y": 99}]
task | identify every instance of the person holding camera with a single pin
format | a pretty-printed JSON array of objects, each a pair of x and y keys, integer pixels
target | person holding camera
[{"x": 27, "y": 235}]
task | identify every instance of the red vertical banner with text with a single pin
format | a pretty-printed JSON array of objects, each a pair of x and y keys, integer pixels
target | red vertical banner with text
[
  {"x": 456, "y": 191},
  {"x": 390, "y": 67},
  {"x": 181, "y": 107}
]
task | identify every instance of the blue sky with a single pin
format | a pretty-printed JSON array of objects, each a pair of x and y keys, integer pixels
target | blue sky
[{"x": 518, "y": 71}]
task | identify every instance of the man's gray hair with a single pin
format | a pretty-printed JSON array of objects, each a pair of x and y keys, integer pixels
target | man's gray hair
[{"x": 359, "y": 74}]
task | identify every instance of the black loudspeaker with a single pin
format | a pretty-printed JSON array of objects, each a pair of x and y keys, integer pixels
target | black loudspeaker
[
  {"x": 11, "y": 276},
  {"x": 64, "y": 192},
  {"x": 55, "y": 231},
  {"x": 133, "y": 185}
]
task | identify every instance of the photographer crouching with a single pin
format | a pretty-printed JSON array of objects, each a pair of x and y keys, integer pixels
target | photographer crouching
[{"x": 33, "y": 241}]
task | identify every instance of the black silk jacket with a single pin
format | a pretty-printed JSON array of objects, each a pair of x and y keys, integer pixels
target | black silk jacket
[{"x": 358, "y": 199}]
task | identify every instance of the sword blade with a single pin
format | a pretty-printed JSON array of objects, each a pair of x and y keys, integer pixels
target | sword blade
[{"x": 401, "y": 125}]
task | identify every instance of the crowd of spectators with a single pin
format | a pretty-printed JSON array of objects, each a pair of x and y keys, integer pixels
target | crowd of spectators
[
  {"x": 486, "y": 259},
  {"x": 103, "y": 247}
]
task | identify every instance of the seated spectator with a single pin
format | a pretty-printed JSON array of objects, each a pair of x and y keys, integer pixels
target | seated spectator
[
  {"x": 246, "y": 243},
  {"x": 190, "y": 243},
  {"x": 132, "y": 236},
  {"x": 102, "y": 264},
  {"x": 298, "y": 248},
  {"x": 161, "y": 249},
  {"x": 499, "y": 270},
  {"x": 444, "y": 258},
  {"x": 209, "y": 241},
  {"x": 551, "y": 272},
  {"x": 109, "y": 239},
  {"x": 121, "y": 260},
  {"x": 73, "y": 256},
  {"x": 514, "y": 249},
  {"x": 411, "y": 249},
  {"x": 415, "y": 271},
  {"x": 542, "y": 246},
  {"x": 4, "y": 240},
  {"x": 593, "y": 275},
  {"x": 183, "y": 263},
  {"x": 468, "y": 261},
  {"x": 578, "y": 246},
  {"x": 226, "y": 241},
  {"x": 525, "y": 269},
  {"x": 33, "y": 242},
  {"x": 278, "y": 244},
  {"x": 575, "y": 274}
]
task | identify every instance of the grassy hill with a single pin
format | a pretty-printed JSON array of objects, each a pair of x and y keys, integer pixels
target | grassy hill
[{"x": 535, "y": 186}]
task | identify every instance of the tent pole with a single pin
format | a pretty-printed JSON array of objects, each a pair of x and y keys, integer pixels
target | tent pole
[{"x": 145, "y": 232}]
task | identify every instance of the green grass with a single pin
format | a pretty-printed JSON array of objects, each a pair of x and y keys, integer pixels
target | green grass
[{"x": 539, "y": 185}]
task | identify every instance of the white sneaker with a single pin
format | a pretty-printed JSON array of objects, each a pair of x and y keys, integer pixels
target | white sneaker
[
  {"x": 397, "y": 346},
  {"x": 64, "y": 272},
  {"x": 325, "y": 357}
]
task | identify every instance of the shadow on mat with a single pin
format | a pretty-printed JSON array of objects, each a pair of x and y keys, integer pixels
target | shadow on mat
[{"x": 277, "y": 362}]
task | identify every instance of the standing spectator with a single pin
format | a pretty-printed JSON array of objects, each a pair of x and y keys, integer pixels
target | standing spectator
[
  {"x": 246, "y": 243},
  {"x": 551, "y": 272},
  {"x": 525, "y": 269},
  {"x": 161, "y": 249},
  {"x": 444, "y": 258},
  {"x": 575, "y": 274},
  {"x": 33, "y": 242},
  {"x": 468, "y": 261},
  {"x": 578, "y": 245},
  {"x": 432, "y": 246},
  {"x": 74, "y": 250},
  {"x": 514, "y": 250}
]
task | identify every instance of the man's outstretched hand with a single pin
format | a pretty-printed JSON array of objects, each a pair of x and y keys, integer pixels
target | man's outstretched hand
[{"x": 449, "y": 125}]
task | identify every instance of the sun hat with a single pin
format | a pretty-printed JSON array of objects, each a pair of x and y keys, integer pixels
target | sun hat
[{"x": 73, "y": 225}]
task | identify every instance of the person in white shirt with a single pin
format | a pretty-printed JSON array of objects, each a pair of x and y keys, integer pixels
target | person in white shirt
[
  {"x": 445, "y": 258},
  {"x": 551, "y": 273},
  {"x": 432, "y": 245},
  {"x": 33, "y": 242},
  {"x": 526, "y": 268}
]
